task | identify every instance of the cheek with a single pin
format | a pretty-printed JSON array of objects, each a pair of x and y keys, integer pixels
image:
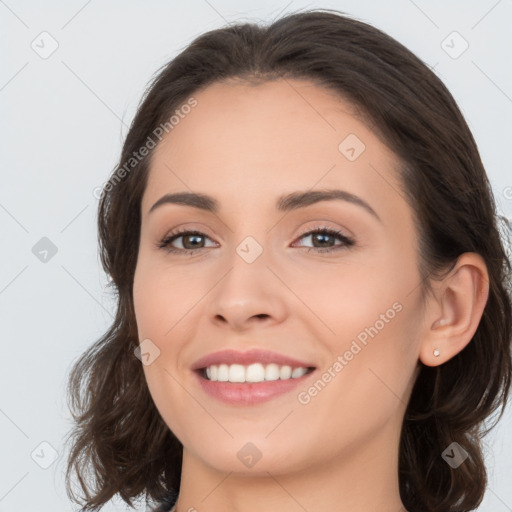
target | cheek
[
  {"x": 372, "y": 324},
  {"x": 161, "y": 304},
  {"x": 159, "y": 298},
  {"x": 343, "y": 301},
  {"x": 366, "y": 383},
  {"x": 175, "y": 406}
]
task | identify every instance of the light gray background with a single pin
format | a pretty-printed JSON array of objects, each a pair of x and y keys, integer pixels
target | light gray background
[{"x": 63, "y": 121}]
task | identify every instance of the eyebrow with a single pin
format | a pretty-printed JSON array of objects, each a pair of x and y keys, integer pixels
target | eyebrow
[{"x": 285, "y": 203}]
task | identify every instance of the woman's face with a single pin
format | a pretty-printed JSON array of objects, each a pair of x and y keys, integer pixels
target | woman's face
[{"x": 255, "y": 278}]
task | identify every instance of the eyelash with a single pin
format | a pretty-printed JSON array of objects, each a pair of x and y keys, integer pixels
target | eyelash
[{"x": 165, "y": 243}]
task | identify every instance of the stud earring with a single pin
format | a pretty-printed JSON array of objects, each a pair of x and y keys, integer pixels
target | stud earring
[{"x": 436, "y": 352}]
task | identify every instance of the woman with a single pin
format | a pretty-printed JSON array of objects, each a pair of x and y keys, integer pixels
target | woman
[{"x": 313, "y": 311}]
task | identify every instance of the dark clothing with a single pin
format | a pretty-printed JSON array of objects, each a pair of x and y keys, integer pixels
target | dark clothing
[{"x": 167, "y": 504}]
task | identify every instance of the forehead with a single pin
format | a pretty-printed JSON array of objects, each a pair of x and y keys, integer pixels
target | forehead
[{"x": 274, "y": 137}]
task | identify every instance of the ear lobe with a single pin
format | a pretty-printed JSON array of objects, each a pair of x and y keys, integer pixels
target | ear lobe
[{"x": 454, "y": 314}]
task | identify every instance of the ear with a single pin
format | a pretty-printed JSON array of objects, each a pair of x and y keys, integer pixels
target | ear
[{"x": 453, "y": 313}]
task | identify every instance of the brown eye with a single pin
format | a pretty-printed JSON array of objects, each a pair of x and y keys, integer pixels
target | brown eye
[
  {"x": 324, "y": 240},
  {"x": 192, "y": 240}
]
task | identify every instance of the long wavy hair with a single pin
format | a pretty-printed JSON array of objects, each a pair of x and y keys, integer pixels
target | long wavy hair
[{"x": 120, "y": 445}]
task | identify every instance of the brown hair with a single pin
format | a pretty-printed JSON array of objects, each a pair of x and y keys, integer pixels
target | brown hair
[{"x": 120, "y": 439}]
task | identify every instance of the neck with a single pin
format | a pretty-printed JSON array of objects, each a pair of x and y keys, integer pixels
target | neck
[{"x": 355, "y": 480}]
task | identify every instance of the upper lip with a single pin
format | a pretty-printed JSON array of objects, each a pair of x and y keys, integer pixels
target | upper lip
[{"x": 247, "y": 357}]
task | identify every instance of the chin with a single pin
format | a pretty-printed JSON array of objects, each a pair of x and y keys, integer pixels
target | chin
[{"x": 256, "y": 458}]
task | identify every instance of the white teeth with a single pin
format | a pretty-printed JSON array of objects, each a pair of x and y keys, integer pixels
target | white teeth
[
  {"x": 236, "y": 373},
  {"x": 255, "y": 372},
  {"x": 298, "y": 372},
  {"x": 272, "y": 372},
  {"x": 223, "y": 373},
  {"x": 285, "y": 372}
]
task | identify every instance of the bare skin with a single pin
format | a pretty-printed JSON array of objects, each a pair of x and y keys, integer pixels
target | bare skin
[{"x": 337, "y": 449}]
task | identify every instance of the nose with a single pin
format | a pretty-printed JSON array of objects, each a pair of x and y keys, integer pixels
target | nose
[{"x": 248, "y": 295}]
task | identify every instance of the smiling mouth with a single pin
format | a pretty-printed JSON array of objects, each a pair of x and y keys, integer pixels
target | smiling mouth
[{"x": 252, "y": 373}]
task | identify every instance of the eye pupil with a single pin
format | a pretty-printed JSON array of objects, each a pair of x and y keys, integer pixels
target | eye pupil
[
  {"x": 187, "y": 237},
  {"x": 323, "y": 238}
]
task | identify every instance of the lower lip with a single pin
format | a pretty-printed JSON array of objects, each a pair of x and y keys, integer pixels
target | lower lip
[{"x": 249, "y": 393}]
